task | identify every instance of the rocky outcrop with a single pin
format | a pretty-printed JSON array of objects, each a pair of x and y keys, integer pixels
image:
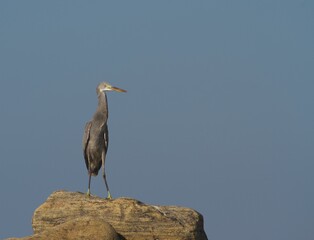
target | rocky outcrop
[
  {"x": 81, "y": 228},
  {"x": 69, "y": 215}
]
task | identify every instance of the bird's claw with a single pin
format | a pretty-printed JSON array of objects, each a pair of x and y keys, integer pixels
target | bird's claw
[{"x": 109, "y": 196}]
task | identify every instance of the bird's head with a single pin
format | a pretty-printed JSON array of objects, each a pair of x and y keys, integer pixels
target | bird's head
[{"x": 104, "y": 86}]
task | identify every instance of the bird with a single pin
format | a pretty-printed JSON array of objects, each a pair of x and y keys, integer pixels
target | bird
[{"x": 96, "y": 137}]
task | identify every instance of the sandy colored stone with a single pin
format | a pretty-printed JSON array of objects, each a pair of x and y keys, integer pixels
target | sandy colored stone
[
  {"x": 87, "y": 228},
  {"x": 130, "y": 218}
]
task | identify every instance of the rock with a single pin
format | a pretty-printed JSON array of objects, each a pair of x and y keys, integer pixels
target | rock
[
  {"x": 74, "y": 215},
  {"x": 81, "y": 228}
]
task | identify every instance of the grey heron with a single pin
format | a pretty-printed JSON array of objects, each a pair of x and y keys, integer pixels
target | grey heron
[{"x": 96, "y": 139}]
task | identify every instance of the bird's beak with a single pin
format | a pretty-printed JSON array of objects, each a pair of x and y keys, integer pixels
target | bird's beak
[{"x": 117, "y": 89}]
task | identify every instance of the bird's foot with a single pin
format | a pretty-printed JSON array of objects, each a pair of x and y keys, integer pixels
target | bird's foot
[
  {"x": 88, "y": 193},
  {"x": 109, "y": 196}
]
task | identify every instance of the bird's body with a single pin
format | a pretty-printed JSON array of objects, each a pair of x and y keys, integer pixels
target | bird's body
[
  {"x": 96, "y": 138},
  {"x": 96, "y": 132}
]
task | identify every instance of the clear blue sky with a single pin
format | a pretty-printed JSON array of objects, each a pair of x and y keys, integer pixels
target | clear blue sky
[{"x": 218, "y": 116}]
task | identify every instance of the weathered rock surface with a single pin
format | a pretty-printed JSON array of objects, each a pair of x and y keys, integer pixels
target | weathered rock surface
[
  {"x": 81, "y": 228},
  {"x": 71, "y": 215}
]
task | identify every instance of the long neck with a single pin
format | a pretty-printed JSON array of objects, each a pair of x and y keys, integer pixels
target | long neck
[{"x": 102, "y": 108}]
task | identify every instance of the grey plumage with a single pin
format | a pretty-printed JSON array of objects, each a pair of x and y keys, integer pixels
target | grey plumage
[{"x": 96, "y": 138}]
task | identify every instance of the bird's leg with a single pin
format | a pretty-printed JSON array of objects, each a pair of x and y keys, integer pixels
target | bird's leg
[
  {"x": 89, "y": 178},
  {"x": 104, "y": 175}
]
